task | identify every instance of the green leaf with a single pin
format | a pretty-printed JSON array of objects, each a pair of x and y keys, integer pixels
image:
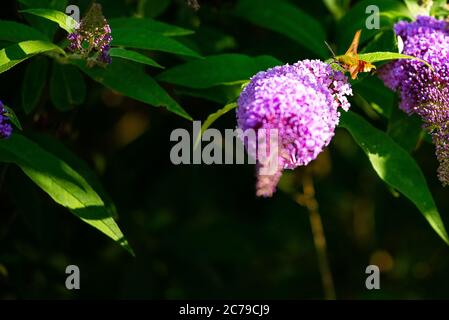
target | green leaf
[
  {"x": 396, "y": 167},
  {"x": 67, "y": 87},
  {"x": 64, "y": 21},
  {"x": 287, "y": 19},
  {"x": 390, "y": 11},
  {"x": 133, "y": 56},
  {"x": 12, "y": 117},
  {"x": 138, "y": 38},
  {"x": 405, "y": 129},
  {"x": 34, "y": 83},
  {"x": 62, "y": 183},
  {"x": 384, "y": 56},
  {"x": 17, "y": 32},
  {"x": 130, "y": 80},
  {"x": 212, "y": 118},
  {"x": 150, "y": 25},
  {"x": 19, "y": 52},
  {"x": 217, "y": 70}
]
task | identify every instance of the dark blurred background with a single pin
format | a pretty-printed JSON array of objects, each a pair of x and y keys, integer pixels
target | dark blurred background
[{"x": 199, "y": 231}]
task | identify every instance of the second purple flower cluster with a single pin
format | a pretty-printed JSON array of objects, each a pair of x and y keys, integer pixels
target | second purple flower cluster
[
  {"x": 92, "y": 36},
  {"x": 5, "y": 125},
  {"x": 424, "y": 91}
]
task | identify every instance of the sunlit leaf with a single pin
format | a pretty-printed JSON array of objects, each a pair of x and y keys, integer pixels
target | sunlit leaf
[
  {"x": 396, "y": 167},
  {"x": 62, "y": 183},
  {"x": 17, "y": 53},
  {"x": 64, "y": 21}
]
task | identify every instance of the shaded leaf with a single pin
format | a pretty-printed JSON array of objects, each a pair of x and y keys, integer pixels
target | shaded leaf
[
  {"x": 376, "y": 94},
  {"x": 287, "y": 19},
  {"x": 139, "y": 38},
  {"x": 67, "y": 87},
  {"x": 130, "y": 80},
  {"x": 404, "y": 129},
  {"x": 149, "y": 25},
  {"x": 222, "y": 94},
  {"x": 217, "y": 70},
  {"x": 18, "y": 32},
  {"x": 34, "y": 83}
]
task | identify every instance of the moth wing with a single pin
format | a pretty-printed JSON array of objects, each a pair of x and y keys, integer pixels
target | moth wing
[{"x": 352, "y": 51}]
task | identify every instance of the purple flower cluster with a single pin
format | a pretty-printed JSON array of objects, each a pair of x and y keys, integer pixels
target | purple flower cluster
[
  {"x": 422, "y": 90},
  {"x": 92, "y": 36},
  {"x": 5, "y": 126},
  {"x": 301, "y": 101}
]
